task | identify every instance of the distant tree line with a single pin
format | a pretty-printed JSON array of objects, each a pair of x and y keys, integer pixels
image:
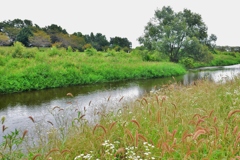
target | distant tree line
[
  {"x": 31, "y": 35},
  {"x": 228, "y": 48}
]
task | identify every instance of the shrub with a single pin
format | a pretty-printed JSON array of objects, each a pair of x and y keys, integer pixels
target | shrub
[
  {"x": 187, "y": 62},
  {"x": 18, "y": 50},
  {"x": 53, "y": 51},
  {"x": 90, "y": 51},
  {"x": 69, "y": 49},
  {"x": 30, "y": 53}
]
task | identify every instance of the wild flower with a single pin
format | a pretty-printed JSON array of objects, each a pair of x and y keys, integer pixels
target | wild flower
[
  {"x": 148, "y": 147},
  {"x": 130, "y": 153},
  {"x": 83, "y": 156},
  {"x": 109, "y": 149}
]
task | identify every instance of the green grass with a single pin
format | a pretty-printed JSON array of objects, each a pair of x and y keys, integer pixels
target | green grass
[
  {"x": 24, "y": 69},
  {"x": 199, "y": 121},
  {"x": 221, "y": 59}
]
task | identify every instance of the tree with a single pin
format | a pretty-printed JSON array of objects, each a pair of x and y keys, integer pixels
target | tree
[
  {"x": 195, "y": 50},
  {"x": 74, "y": 41},
  {"x": 211, "y": 41},
  {"x": 120, "y": 42},
  {"x": 169, "y": 32},
  {"x": 14, "y": 27},
  {"x": 23, "y": 36},
  {"x": 79, "y": 34},
  {"x": 98, "y": 41},
  {"x": 4, "y": 39},
  {"x": 54, "y": 30},
  {"x": 101, "y": 42},
  {"x": 40, "y": 39},
  {"x": 11, "y": 32}
]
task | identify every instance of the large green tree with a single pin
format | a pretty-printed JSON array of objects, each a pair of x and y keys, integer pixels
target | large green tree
[
  {"x": 40, "y": 39},
  {"x": 171, "y": 33}
]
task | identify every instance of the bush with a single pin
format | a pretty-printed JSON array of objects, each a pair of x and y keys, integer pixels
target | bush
[
  {"x": 18, "y": 50},
  {"x": 187, "y": 62},
  {"x": 54, "y": 51},
  {"x": 69, "y": 49},
  {"x": 30, "y": 53},
  {"x": 90, "y": 51}
]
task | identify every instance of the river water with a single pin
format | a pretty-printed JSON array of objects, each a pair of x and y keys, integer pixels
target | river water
[{"x": 90, "y": 99}]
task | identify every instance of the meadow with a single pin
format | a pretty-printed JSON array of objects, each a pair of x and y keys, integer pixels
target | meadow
[
  {"x": 198, "y": 121},
  {"x": 24, "y": 69}
]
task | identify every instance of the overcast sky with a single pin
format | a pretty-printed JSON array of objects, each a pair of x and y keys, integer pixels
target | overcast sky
[{"x": 123, "y": 18}]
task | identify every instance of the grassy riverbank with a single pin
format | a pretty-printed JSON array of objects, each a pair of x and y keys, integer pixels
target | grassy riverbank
[
  {"x": 200, "y": 121},
  {"x": 23, "y": 69},
  {"x": 220, "y": 58}
]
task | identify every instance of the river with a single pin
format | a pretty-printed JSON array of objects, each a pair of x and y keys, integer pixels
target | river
[{"x": 89, "y": 99}]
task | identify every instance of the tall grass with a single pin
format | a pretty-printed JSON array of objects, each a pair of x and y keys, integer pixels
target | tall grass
[
  {"x": 199, "y": 121},
  {"x": 23, "y": 69}
]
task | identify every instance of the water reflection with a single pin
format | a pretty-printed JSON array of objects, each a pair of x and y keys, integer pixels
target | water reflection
[{"x": 216, "y": 74}]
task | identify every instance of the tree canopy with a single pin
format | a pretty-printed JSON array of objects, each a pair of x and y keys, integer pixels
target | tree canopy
[
  {"x": 177, "y": 34},
  {"x": 118, "y": 42},
  {"x": 31, "y": 34}
]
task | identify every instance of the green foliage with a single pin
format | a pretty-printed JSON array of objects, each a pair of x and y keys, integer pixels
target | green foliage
[
  {"x": 117, "y": 48},
  {"x": 30, "y": 53},
  {"x": 40, "y": 39},
  {"x": 69, "y": 49},
  {"x": 151, "y": 55},
  {"x": 10, "y": 148},
  {"x": 24, "y": 35},
  {"x": 120, "y": 42},
  {"x": 56, "y": 68},
  {"x": 187, "y": 62},
  {"x": 110, "y": 53},
  {"x": 233, "y": 54},
  {"x": 177, "y": 35},
  {"x": 18, "y": 50},
  {"x": 90, "y": 51},
  {"x": 195, "y": 50},
  {"x": 4, "y": 39},
  {"x": 32, "y": 35},
  {"x": 54, "y": 51},
  {"x": 53, "y": 28},
  {"x": 224, "y": 60}
]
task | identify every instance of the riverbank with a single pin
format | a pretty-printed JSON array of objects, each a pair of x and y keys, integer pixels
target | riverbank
[
  {"x": 220, "y": 58},
  {"x": 24, "y": 69},
  {"x": 199, "y": 121}
]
